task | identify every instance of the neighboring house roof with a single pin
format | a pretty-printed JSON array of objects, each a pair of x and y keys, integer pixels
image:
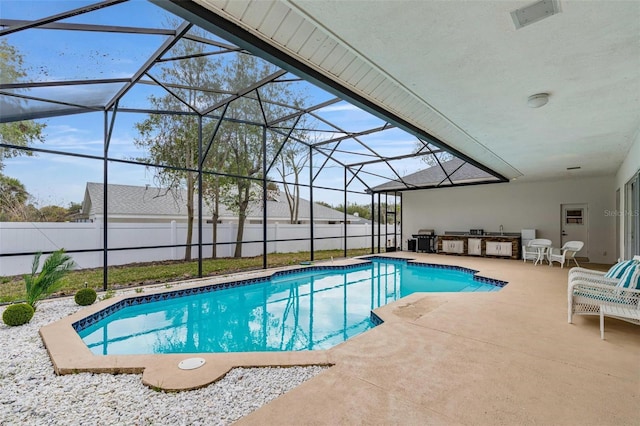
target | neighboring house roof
[
  {"x": 147, "y": 201},
  {"x": 460, "y": 173}
]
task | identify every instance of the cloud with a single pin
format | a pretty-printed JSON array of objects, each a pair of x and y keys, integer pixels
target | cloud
[
  {"x": 341, "y": 107},
  {"x": 64, "y": 128},
  {"x": 73, "y": 143}
]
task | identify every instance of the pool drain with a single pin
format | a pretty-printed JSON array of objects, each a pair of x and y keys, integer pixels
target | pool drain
[{"x": 191, "y": 363}]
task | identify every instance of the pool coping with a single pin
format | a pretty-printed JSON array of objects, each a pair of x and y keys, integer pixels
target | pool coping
[{"x": 69, "y": 354}]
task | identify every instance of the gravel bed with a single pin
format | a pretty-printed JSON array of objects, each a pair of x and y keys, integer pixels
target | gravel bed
[{"x": 31, "y": 393}]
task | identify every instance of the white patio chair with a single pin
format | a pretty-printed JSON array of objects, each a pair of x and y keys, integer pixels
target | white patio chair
[
  {"x": 536, "y": 250},
  {"x": 617, "y": 298},
  {"x": 613, "y": 274},
  {"x": 566, "y": 253}
]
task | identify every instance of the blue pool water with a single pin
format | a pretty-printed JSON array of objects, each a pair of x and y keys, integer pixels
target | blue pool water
[{"x": 309, "y": 309}]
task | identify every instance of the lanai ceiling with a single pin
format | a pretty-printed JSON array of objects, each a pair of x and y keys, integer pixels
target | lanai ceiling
[{"x": 461, "y": 71}]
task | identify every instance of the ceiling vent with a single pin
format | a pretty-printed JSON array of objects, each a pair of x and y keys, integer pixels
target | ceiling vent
[{"x": 535, "y": 12}]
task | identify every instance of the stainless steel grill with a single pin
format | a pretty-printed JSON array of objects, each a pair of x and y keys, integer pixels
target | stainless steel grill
[{"x": 425, "y": 240}]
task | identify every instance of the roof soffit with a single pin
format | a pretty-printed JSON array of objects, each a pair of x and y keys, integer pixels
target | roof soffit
[{"x": 285, "y": 26}]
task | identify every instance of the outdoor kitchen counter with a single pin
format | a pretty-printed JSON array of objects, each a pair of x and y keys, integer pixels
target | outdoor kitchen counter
[
  {"x": 505, "y": 245},
  {"x": 485, "y": 235}
]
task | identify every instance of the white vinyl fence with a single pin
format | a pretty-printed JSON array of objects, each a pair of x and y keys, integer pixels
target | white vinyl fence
[{"x": 30, "y": 237}]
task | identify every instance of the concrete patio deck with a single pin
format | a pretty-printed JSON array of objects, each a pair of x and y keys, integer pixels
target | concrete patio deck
[
  {"x": 501, "y": 358},
  {"x": 506, "y": 357}
]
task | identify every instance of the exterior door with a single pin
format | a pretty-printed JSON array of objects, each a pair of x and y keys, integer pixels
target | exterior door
[{"x": 574, "y": 226}]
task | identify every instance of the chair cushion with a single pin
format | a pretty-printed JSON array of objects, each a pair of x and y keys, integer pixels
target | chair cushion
[
  {"x": 618, "y": 270},
  {"x": 631, "y": 278}
]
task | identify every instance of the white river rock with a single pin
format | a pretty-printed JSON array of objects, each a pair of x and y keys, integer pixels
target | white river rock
[{"x": 31, "y": 393}]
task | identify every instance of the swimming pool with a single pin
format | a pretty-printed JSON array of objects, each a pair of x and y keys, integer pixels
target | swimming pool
[{"x": 307, "y": 309}]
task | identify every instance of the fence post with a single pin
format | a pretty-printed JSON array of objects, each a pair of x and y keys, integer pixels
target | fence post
[
  {"x": 99, "y": 243},
  {"x": 275, "y": 237},
  {"x": 174, "y": 240}
]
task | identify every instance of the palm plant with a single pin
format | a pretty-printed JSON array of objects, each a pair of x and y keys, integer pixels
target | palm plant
[{"x": 55, "y": 267}]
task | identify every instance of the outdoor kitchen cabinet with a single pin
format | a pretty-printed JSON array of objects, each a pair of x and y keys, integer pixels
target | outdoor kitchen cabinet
[
  {"x": 474, "y": 247},
  {"x": 494, "y": 248},
  {"x": 453, "y": 246},
  {"x": 504, "y": 245}
]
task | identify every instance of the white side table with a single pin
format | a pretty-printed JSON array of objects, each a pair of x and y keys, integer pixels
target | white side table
[
  {"x": 542, "y": 250},
  {"x": 617, "y": 311}
]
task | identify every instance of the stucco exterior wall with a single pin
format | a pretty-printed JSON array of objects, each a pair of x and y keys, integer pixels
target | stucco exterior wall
[{"x": 517, "y": 206}]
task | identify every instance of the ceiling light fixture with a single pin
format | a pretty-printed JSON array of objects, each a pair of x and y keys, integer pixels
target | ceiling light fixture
[
  {"x": 535, "y": 12},
  {"x": 538, "y": 100}
]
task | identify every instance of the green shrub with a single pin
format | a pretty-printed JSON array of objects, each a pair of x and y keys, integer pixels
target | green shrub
[
  {"x": 17, "y": 314},
  {"x": 40, "y": 285},
  {"x": 85, "y": 296}
]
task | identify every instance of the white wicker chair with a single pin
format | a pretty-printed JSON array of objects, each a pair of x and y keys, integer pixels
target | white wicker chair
[
  {"x": 593, "y": 275},
  {"x": 592, "y": 298},
  {"x": 591, "y": 293},
  {"x": 566, "y": 253},
  {"x": 589, "y": 275},
  {"x": 536, "y": 250}
]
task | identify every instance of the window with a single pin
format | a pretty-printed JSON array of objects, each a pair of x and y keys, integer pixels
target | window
[
  {"x": 574, "y": 217},
  {"x": 632, "y": 216}
]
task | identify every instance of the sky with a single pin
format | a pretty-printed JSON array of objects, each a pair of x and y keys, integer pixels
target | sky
[{"x": 54, "y": 55}]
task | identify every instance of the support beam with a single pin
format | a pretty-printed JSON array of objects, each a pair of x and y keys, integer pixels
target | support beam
[
  {"x": 165, "y": 47},
  {"x": 264, "y": 197},
  {"x": 311, "y": 235},
  {"x": 105, "y": 205},
  {"x": 346, "y": 184},
  {"x": 200, "y": 204},
  {"x": 59, "y": 17},
  {"x": 246, "y": 90}
]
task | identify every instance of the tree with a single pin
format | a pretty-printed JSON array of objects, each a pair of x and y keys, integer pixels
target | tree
[
  {"x": 213, "y": 184},
  {"x": 73, "y": 211},
  {"x": 18, "y": 133},
  {"x": 53, "y": 214},
  {"x": 293, "y": 157},
  {"x": 174, "y": 145},
  {"x": 243, "y": 140},
  {"x": 364, "y": 211},
  {"x": 245, "y": 159},
  {"x": 234, "y": 165},
  {"x": 432, "y": 159},
  {"x": 15, "y": 205},
  {"x": 292, "y": 160},
  {"x": 13, "y": 199},
  {"x": 172, "y": 140}
]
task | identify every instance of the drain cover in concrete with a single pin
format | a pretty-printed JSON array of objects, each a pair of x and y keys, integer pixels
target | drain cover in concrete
[{"x": 191, "y": 363}]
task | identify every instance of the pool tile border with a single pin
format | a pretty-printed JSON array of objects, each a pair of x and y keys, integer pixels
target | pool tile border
[
  {"x": 479, "y": 278},
  {"x": 375, "y": 319},
  {"x": 139, "y": 300},
  {"x": 84, "y": 323},
  {"x": 88, "y": 321}
]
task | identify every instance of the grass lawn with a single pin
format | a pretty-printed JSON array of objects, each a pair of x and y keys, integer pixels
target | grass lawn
[{"x": 13, "y": 288}]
